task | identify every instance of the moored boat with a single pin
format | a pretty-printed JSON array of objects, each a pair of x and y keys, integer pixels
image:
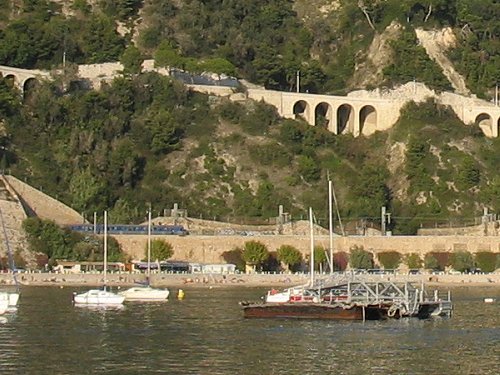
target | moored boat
[
  {"x": 312, "y": 310},
  {"x": 145, "y": 293},
  {"x": 98, "y": 297}
]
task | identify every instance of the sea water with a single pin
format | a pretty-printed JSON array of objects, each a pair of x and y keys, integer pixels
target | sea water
[{"x": 205, "y": 333}]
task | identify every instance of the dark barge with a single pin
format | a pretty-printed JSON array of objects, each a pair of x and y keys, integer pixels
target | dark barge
[
  {"x": 354, "y": 300},
  {"x": 312, "y": 310}
]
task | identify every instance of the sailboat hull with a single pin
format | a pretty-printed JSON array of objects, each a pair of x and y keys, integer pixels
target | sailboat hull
[
  {"x": 98, "y": 297},
  {"x": 311, "y": 311},
  {"x": 145, "y": 294},
  {"x": 4, "y": 302}
]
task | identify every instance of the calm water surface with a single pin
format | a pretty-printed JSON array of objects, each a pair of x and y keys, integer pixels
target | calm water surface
[{"x": 206, "y": 334}]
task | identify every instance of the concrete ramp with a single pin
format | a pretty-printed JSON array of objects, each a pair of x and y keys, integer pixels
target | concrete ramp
[{"x": 42, "y": 205}]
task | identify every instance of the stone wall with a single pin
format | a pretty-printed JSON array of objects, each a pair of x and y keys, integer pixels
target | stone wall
[
  {"x": 44, "y": 206},
  {"x": 209, "y": 249}
]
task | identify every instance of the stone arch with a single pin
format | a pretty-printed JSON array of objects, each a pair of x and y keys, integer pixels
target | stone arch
[
  {"x": 345, "y": 119},
  {"x": 485, "y": 123},
  {"x": 367, "y": 120},
  {"x": 301, "y": 110},
  {"x": 29, "y": 85},
  {"x": 11, "y": 80},
  {"x": 323, "y": 115}
]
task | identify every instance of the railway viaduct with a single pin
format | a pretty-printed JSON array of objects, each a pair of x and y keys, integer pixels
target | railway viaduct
[{"x": 356, "y": 115}]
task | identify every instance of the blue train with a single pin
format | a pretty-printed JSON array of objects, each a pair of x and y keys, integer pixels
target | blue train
[{"x": 178, "y": 230}]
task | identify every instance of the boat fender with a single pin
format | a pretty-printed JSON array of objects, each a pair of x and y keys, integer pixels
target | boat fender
[{"x": 180, "y": 294}]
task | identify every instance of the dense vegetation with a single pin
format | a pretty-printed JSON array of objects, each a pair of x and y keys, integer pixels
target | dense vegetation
[
  {"x": 266, "y": 42},
  {"x": 144, "y": 139}
]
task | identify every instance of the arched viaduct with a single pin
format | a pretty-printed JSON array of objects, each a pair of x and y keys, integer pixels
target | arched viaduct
[
  {"x": 364, "y": 116},
  {"x": 338, "y": 114},
  {"x": 487, "y": 118},
  {"x": 22, "y": 78}
]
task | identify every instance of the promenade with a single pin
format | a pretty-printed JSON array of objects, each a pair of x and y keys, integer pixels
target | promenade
[{"x": 232, "y": 280}]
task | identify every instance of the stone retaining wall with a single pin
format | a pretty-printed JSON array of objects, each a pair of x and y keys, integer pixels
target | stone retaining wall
[{"x": 209, "y": 249}]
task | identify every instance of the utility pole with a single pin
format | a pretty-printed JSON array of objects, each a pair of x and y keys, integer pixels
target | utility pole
[
  {"x": 298, "y": 80},
  {"x": 385, "y": 218}
]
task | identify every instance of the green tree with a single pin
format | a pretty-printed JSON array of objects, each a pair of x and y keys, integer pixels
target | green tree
[
  {"x": 359, "y": 258},
  {"x": 431, "y": 262},
  {"x": 167, "y": 56},
  {"x": 309, "y": 168},
  {"x": 289, "y": 255},
  {"x": 160, "y": 250},
  {"x": 413, "y": 261},
  {"x": 486, "y": 260},
  {"x": 390, "y": 260},
  {"x": 255, "y": 253},
  {"x": 131, "y": 60},
  {"x": 320, "y": 257},
  {"x": 461, "y": 261},
  {"x": 86, "y": 190}
]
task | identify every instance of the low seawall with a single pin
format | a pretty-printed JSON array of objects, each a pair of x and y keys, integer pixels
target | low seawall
[{"x": 210, "y": 249}]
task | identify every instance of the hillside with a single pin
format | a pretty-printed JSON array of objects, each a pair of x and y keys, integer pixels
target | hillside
[{"x": 145, "y": 140}]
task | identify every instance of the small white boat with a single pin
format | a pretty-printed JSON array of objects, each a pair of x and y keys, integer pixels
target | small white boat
[
  {"x": 489, "y": 300},
  {"x": 145, "y": 293},
  {"x": 13, "y": 297},
  {"x": 4, "y": 302},
  {"x": 98, "y": 297},
  {"x": 274, "y": 296}
]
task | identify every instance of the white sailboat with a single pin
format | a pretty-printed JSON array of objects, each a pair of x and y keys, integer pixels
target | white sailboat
[
  {"x": 146, "y": 293},
  {"x": 301, "y": 293},
  {"x": 12, "y": 297},
  {"x": 100, "y": 297}
]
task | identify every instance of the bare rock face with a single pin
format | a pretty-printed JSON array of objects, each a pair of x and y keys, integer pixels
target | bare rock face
[
  {"x": 369, "y": 68},
  {"x": 436, "y": 43}
]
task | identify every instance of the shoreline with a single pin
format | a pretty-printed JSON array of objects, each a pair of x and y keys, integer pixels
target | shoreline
[{"x": 232, "y": 280}]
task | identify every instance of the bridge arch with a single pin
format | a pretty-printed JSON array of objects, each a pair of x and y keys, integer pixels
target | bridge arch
[
  {"x": 485, "y": 122},
  {"x": 28, "y": 86},
  {"x": 323, "y": 115},
  {"x": 11, "y": 80},
  {"x": 345, "y": 119},
  {"x": 367, "y": 120},
  {"x": 301, "y": 109}
]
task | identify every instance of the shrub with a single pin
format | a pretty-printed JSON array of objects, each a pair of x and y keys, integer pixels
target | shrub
[
  {"x": 389, "y": 259},
  {"x": 461, "y": 260},
  {"x": 360, "y": 258},
  {"x": 430, "y": 262},
  {"x": 160, "y": 250},
  {"x": 413, "y": 260},
  {"x": 486, "y": 260}
]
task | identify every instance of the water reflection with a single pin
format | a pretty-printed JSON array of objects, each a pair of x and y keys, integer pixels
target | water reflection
[{"x": 205, "y": 333}]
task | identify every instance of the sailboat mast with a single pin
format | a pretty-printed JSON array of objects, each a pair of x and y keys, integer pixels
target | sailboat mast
[
  {"x": 330, "y": 217},
  {"x": 105, "y": 246},
  {"x": 149, "y": 245},
  {"x": 312, "y": 244}
]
